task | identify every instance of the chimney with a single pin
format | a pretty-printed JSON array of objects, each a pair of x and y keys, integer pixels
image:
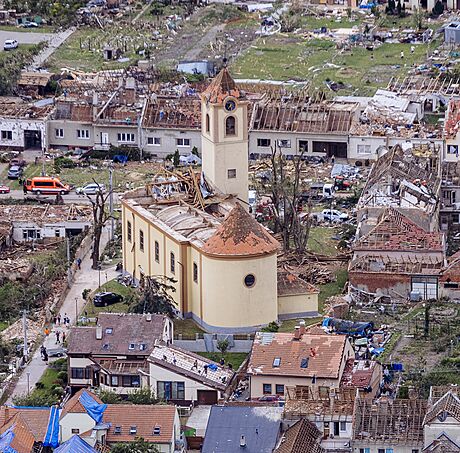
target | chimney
[
  {"x": 243, "y": 442},
  {"x": 302, "y": 327},
  {"x": 297, "y": 333},
  {"x": 98, "y": 332},
  {"x": 148, "y": 317}
]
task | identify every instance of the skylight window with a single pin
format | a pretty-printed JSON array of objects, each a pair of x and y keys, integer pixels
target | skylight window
[
  {"x": 132, "y": 346},
  {"x": 133, "y": 430},
  {"x": 276, "y": 362},
  {"x": 157, "y": 430},
  {"x": 109, "y": 331},
  {"x": 117, "y": 430},
  {"x": 304, "y": 363},
  {"x": 142, "y": 346}
]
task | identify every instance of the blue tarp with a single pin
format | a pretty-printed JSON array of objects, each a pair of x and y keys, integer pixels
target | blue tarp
[
  {"x": 347, "y": 327},
  {"x": 52, "y": 432},
  {"x": 93, "y": 408},
  {"x": 5, "y": 441},
  {"x": 75, "y": 445}
]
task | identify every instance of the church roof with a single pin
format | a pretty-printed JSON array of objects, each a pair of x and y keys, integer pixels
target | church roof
[
  {"x": 221, "y": 87},
  {"x": 240, "y": 235}
]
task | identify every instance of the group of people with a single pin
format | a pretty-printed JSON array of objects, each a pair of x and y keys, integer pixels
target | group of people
[{"x": 65, "y": 320}]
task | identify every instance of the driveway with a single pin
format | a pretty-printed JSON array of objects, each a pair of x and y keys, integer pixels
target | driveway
[{"x": 24, "y": 37}]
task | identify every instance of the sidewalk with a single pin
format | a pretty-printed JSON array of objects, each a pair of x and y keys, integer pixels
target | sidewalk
[{"x": 85, "y": 278}]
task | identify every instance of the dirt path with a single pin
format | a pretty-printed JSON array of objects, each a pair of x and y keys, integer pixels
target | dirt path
[{"x": 209, "y": 36}]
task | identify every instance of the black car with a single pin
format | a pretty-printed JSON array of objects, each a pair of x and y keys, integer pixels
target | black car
[{"x": 104, "y": 299}]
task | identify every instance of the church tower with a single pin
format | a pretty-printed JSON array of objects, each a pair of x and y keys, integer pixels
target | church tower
[{"x": 224, "y": 136}]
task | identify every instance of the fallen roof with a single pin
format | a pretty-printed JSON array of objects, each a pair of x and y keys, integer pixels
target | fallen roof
[
  {"x": 139, "y": 420},
  {"x": 240, "y": 235},
  {"x": 452, "y": 119},
  {"x": 448, "y": 405},
  {"x": 358, "y": 373},
  {"x": 46, "y": 214},
  {"x": 280, "y": 354},
  {"x": 259, "y": 425},
  {"x": 398, "y": 421},
  {"x": 291, "y": 285},
  {"x": 192, "y": 365},
  {"x": 394, "y": 231},
  {"x": 120, "y": 332},
  {"x": 34, "y": 78},
  {"x": 302, "y": 437}
]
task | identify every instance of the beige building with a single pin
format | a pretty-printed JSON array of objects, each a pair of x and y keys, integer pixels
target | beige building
[
  {"x": 282, "y": 360},
  {"x": 221, "y": 261}
]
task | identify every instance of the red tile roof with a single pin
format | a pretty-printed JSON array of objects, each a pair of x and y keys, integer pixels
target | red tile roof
[
  {"x": 240, "y": 235},
  {"x": 36, "y": 419},
  {"x": 291, "y": 285},
  {"x": 144, "y": 418},
  {"x": 23, "y": 440},
  {"x": 323, "y": 355},
  {"x": 74, "y": 405},
  {"x": 221, "y": 87}
]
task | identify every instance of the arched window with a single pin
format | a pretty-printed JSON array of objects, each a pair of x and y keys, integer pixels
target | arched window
[
  {"x": 230, "y": 125},
  {"x": 207, "y": 123}
]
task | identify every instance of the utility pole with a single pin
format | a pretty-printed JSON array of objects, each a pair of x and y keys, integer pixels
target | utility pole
[
  {"x": 69, "y": 274},
  {"x": 112, "y": 220},
  {"x": 24, "y": 326},
  {"x": 76, "y": 310}
]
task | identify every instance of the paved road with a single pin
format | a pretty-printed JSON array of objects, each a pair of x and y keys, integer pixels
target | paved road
[
  {"x": 70, "y": 198},
  {"x": 24, "y": 37},
  {"x": 85, "y": 278}
]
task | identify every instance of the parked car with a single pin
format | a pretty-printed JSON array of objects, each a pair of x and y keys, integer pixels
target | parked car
[
  {"x": 333, "y": 215},
  {"x": 104, "y": 299},
  {"x": 15, "y": 172},
  {"x": 10, "y": 44},
  {"x": 4, "y": 189},
  {"x": 18, "y": 162},
  {"x": 28, "y": 24},
  {"x": 90, "y": 189},
  {"x": 56, "y": 352}
]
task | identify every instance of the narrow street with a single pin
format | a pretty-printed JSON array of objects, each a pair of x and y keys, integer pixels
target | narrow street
[{"x": 73, "y": 304}]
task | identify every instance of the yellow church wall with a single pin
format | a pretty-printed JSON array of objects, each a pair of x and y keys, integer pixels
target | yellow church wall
[
  {"x": 228, "y": 303},
  {"x": 127, "y": 246},
  {"x": 194, "y": 288},
  {"x": 298, "y": 305}
]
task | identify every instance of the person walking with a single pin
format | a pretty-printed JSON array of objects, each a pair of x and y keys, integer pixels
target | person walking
[
  {"x": 79, "y": 263},
  {"x": 58, "y": 334},
  {"x": 63, "y": 337}
]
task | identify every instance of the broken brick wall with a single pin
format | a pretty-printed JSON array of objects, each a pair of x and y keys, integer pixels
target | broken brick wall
[{"x": 381, "y": 282}]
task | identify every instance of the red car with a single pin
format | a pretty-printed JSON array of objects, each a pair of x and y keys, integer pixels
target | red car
[{"x": 4, "y": 189}]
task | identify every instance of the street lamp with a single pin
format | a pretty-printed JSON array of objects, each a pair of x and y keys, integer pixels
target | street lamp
[
  {"x": 76, "y": 310},
  {"x": 28, "y": 383},
  {"x": 99, "y": 270}
]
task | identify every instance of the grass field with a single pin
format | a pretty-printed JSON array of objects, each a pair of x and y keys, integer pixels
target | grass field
[
  {"x": 235, "y": 358},
  {"x": 79, "y": 176},
  {"x": 292, "y": 58},
  {"x": 320, "y": 240},
  {"x": 42, "y": 29},
  {"x": 111, "y": 286}
]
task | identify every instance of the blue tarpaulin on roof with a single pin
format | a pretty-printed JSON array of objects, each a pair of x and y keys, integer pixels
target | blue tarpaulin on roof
[
  {"x": 75, "y": 445},
  {"x": 94, "y": 409},
  {"x": 52, "y": 432},
  {"x": 5, "y": 441}
]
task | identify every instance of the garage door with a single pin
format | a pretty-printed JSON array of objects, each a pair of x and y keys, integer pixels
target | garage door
[
  {"x": 426, "y": 286},
  {"x": 207, "y": 397}
]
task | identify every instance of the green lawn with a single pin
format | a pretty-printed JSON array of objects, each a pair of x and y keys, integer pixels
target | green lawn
[
  {"x": 332, "y": 288},
  {"x": 289, "y": 325},
  {"x": 42, "y": 29},
  {"x": 111, "y": 286},
  {"x": 187, "y": 327},
  {"x": 50, "y": 387},
  {"x": 290, "y": 57},
  {"x": 79, "y": 176},
  {"x": 320, "y": 240},
  {"x": 235, "y": 358}
]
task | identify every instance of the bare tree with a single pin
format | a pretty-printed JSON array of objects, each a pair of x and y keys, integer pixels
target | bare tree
[
  {"x": 285, "y": 186},
  {"x": 100, "y": 217}
]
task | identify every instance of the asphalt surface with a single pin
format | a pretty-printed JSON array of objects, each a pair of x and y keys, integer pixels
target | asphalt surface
[
  {"x": 70, "y": 198},
  {"x": 24, "y": 37}
]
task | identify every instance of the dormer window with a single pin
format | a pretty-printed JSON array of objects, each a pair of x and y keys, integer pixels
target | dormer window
[
  {"x": 157, "y": 430},
  {"x": 230, "y": 126}
]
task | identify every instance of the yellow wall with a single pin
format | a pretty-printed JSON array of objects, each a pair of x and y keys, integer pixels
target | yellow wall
[
  {"x": 226, "y": 300},
  {"x": 301, "y": 303},
  {"x": 194, "y": 288}
]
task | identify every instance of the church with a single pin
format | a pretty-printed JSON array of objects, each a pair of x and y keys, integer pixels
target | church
[{"x": 222, "y": 262}]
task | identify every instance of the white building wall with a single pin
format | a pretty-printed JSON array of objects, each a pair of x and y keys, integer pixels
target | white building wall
[
  {"x": 17, "y": 128},
  {"x": 80, "y": 421},
  {"x": 168, "y": 141},
  {"x": 158, "y": 373}
]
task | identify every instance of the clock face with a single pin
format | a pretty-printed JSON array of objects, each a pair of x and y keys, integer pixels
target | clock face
[{"x": 230, "y": 105}]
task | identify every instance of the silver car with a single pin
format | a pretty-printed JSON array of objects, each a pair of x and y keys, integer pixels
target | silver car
[{"x": 90, "y": 189}]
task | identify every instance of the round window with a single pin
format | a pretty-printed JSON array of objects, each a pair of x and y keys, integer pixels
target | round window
[{"x": 250, "y": 280}]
